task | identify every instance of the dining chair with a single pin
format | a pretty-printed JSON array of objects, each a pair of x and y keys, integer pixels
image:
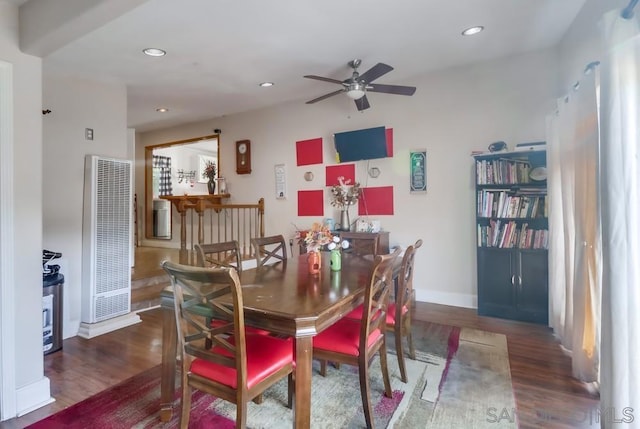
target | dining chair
[
  {"x": 225, "y": 254},
  {"x": 222, "y": 255},
  {"x": 239, "y": 366},
  {"x": 266, "y": 248},
  {"x": 359, "y": 244},
  {"x": 399, "y": 315},
  {"x": 354, "y": 342}
]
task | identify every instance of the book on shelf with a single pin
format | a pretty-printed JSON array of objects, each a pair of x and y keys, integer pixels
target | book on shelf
[
  {"x": 524, "y": 207},
  {"x": 502, "y": 171},
  {"x": 509, "y": 235}
]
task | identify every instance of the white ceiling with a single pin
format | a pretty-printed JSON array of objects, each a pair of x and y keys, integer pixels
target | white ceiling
[{"x": 219, "y": 50}]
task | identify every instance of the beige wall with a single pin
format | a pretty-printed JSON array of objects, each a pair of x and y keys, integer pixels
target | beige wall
[{"x": 453, "y": 112}]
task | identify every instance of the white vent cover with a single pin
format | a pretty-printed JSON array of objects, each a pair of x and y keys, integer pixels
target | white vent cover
[{"x": 106, "y": 239}]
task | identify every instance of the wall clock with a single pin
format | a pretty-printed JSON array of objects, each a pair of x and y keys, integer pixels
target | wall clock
[{"x": 243, "y": 157}]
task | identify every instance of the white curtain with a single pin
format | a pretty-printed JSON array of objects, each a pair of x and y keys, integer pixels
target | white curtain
[
  {"x": 574, "y": 226},
  {"x": 620, "y": 194}
]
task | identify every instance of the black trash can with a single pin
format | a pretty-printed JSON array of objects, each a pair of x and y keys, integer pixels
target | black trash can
[{"x": 52, "y": 312}]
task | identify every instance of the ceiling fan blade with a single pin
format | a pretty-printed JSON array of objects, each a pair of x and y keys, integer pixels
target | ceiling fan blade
[
  {"x": 331, "y": 94},
  {"x": 325, "y": 79},
  {"x": 375, "y": 72},
  {"x": 392, "y": 89},
  {"x": 362, "y": 103}
]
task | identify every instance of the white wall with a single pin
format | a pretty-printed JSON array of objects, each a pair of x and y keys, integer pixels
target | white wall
[
  {"x": 453, "y": 112},
  {"x": 31, "y": 386},
  {"x": 76, "y": 104}
]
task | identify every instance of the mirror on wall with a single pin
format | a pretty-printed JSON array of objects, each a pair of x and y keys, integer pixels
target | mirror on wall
[{"x": 174, "y": 168}]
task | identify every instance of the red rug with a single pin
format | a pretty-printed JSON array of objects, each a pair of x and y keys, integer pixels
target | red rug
[{"x": 135, "y": 402}]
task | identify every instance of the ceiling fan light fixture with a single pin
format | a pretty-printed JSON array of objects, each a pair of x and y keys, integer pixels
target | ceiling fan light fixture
[{"x": 355, "y": 90}]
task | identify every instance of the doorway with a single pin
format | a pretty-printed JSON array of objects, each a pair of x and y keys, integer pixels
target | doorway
[{"x": 175, "y": 168}]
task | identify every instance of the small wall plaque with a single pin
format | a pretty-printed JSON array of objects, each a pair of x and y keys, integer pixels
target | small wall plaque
[
  {"x": 418, "y": 172},
  {"x": 281, "y": 181}
]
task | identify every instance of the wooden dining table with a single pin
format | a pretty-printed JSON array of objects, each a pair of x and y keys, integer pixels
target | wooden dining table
[{"x": 285, "y": 299}]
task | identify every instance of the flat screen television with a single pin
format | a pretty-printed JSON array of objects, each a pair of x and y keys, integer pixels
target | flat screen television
[{"x": 370, "y": 143}]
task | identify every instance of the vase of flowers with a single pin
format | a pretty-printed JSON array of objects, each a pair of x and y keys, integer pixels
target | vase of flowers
[
  {"x": 336, "y": 247},
  {"x": 317, "y": 236},
  {"x": 209, "y": 173},
  {"x": 343, "y": 196}
]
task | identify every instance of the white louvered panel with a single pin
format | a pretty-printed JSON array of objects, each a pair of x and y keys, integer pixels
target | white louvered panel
[
  {"x": 110, "y": 306},
  {"x": 106, "y": 239}
]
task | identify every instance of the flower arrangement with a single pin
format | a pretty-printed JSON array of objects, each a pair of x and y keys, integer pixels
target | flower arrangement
[
  {"x": 317, "y": 236},
  {"x": 338, "y": 244},
  {"x": 209, "y": 171},
  {"x": 344, "y": 195}
]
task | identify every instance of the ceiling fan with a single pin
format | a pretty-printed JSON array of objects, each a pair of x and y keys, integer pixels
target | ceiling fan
[{"x": 358, "y": 84}]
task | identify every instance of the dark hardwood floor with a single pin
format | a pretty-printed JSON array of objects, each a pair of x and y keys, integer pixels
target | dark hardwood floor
[{"x": 546, "y": 393}]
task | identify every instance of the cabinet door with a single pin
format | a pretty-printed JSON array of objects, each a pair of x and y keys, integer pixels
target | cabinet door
[
  {"x": 496, "y": 292},
  {"x": 533, "y": 295}
]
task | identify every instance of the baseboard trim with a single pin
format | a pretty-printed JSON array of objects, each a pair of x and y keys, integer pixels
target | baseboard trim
[
  {"x": 70, "y": 328},
  {"x": 447, "y": 298},
  {"x": 33, "y": 396},
  {"x": 92, "y": 330}
]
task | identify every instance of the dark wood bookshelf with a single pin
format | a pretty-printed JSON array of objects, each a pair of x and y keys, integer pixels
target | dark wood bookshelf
[{"x": 512, "y": 235}]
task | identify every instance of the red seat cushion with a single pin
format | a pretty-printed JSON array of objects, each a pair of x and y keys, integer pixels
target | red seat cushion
[
  {"x": 356, "y": 313},
  {"x": 216, "y": 323},
  {"x": 391, "y": 313},
  {"x": 265, "y": 355},
  {"x": 343, "y": 337}
]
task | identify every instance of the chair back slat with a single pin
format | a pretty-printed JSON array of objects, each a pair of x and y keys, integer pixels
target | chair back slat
[
  {"x": 405, "y": 293},
  {"x": 376, "y": 297},
  {"x": 224, "y": 254},
  {"x": 266, "y": 248}
]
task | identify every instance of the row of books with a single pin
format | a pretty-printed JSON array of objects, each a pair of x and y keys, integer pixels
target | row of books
[
  {"x": 505, "y": 204},
  {"x": 502, "y": 171},
  {"x": 509, "y": 235}
]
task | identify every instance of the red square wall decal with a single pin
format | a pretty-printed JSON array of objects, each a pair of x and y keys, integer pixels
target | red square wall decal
[
  {"x": 389, "y": 135},
  {"x": 309, "y": 151},
  {"x": 345, "y": 171},
  {"x": 376, "y": 201},
  {"x": 311, "y": 203}
]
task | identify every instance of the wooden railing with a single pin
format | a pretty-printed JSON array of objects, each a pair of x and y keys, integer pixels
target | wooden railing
[
  {"x": 225, "y": 222},
  {"x": 206, "y": 219}
]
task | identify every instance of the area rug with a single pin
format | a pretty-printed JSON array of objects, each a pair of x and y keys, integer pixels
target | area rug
[{"x": 457, "y": 380}]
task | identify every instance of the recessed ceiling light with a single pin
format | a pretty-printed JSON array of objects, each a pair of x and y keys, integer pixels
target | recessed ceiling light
[
  {"x": 162, "y": 109},
  {"x": 154, "y": 52},
  {"x": 472, "y": 30},
  {"x": 266, "y": 84}
]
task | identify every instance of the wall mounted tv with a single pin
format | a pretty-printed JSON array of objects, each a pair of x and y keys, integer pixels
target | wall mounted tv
[{"x": 370, "y": 143}]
